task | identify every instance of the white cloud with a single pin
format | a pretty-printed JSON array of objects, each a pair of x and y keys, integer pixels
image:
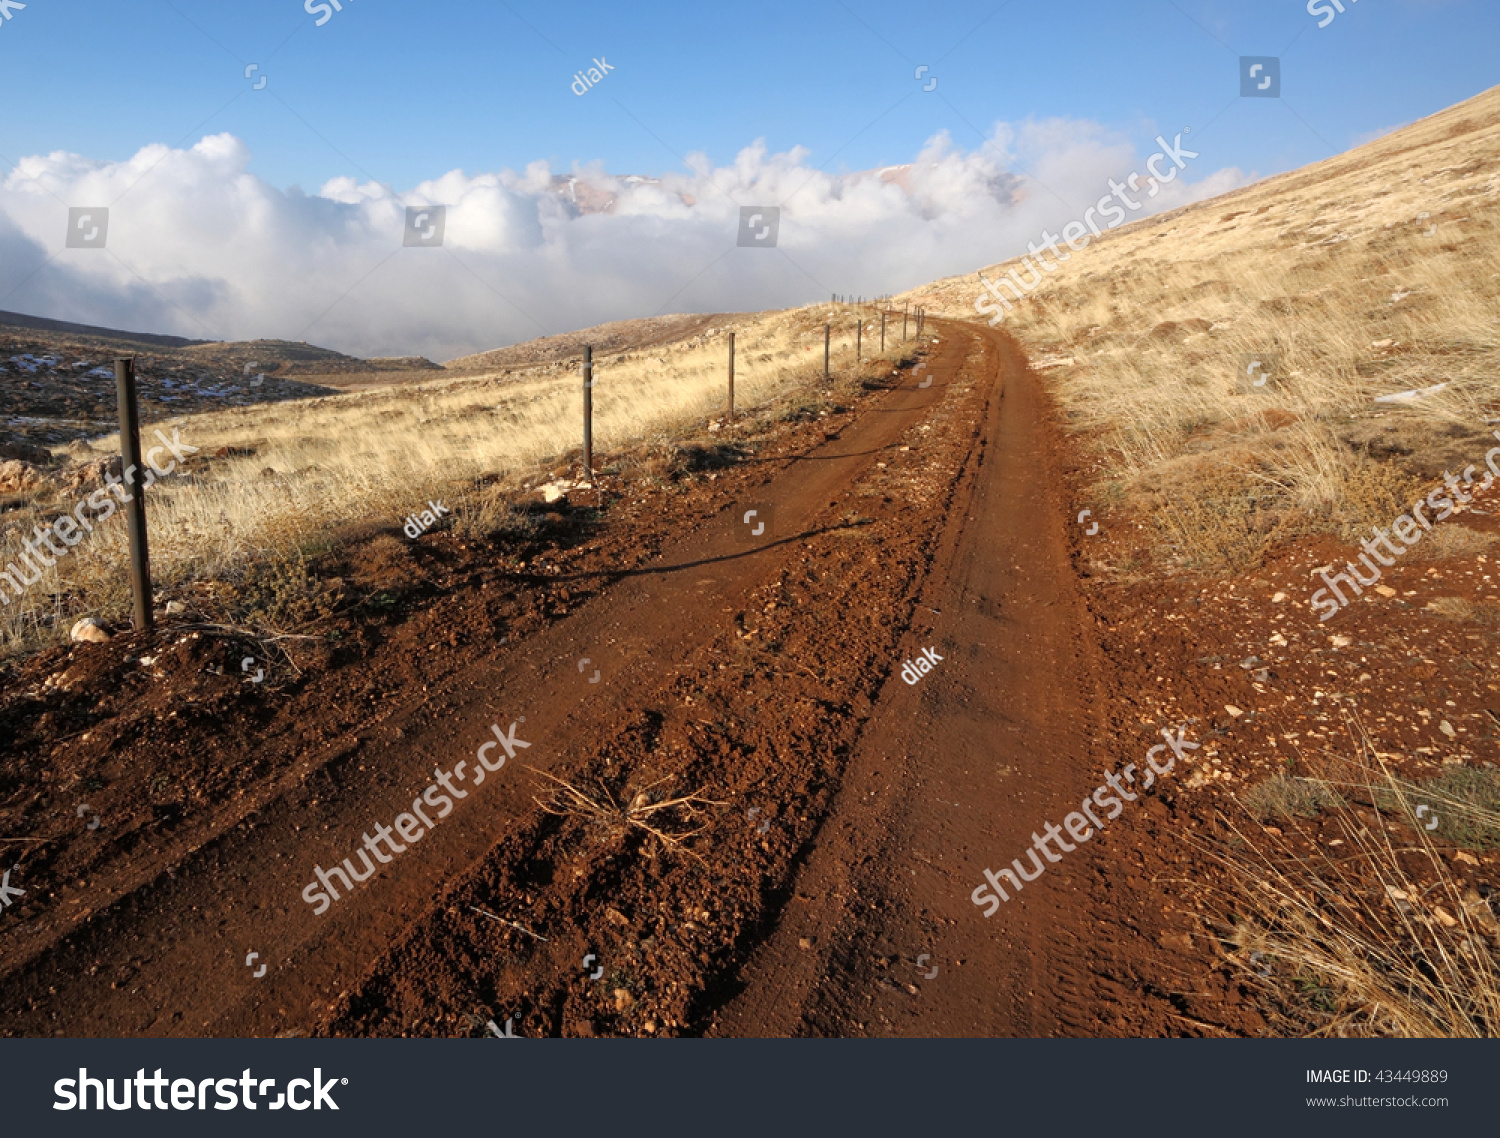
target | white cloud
[{"x": 198, "y": 246}]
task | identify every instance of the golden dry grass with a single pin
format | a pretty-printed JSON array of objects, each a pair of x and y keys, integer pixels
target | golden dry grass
[
  {"x": 1369, "y": 274},
  {"x": 1377, "y": 936},
  {"x": 374, "y": 457}
]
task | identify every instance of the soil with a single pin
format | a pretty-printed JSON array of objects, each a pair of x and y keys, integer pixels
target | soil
[{"x": 733, "y": 815}]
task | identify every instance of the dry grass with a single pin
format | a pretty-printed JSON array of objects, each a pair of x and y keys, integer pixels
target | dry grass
[
  {"x": 615, "y": 820},
  {"x": 1377, "y": 936},
  {"x": 1369, "y": 274},
  {"x": 326, "y": 465}
]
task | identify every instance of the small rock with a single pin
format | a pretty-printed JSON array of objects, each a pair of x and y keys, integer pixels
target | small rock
[
  {"x": 649, "y": 1027},
  {"x": 176, "y": 608},
  {"x": 1385, "y": 590},
  {"x": 1233, "y": 711},
  {"x": 1278, "y": 598},
  {"x": 25, "y": 452},
  {"x": 623, "y": 999},
  {"x": 803, "y": 943},
  {"x": 1447, "y": 729},
  {"x": 18, "y": 477},
  {"x": 1342, "y": 642},
  {"x": 89, "y": 630}
]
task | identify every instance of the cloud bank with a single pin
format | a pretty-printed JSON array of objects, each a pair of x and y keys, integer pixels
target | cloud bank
[{"x": 199, "y": 246}]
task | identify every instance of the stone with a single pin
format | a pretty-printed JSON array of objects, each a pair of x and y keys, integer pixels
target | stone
[
  {"x": 91, "y": 475},
  {"x": 25, "y": 452},
  {"x": 89, "y": 630},
  {"x": 20, "y": 477}
]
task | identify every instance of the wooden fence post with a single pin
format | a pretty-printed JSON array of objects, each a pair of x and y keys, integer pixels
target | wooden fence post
[
  {"x": 731, "y": 377},
  {"x": 588, "y": 412},
  {"x": 827, "y": 334},
  {"x": 135, "y": 509}
]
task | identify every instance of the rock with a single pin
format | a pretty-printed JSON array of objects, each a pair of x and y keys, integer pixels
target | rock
[
  {"x": 1341, "y": 642},
  {"x": 89, "y": 630},
  {"x": 1478, "y": 910},
  {"x": 803, "y": 943},
  {"x": 20, "y": 477},
  {"x": 1385, "y": 590},
  {"x": 624, "y": 1001},
  {"x": 176, "y": 608},
  {"x": 1278, "y": 598},
  {"x": 25, "y": 452},
  {"x": 557, "y": 490},
  {"x": 1447, "y": 729},
  {"x": 1233, "y": 711},
  {"x": 91, "y": 475}
]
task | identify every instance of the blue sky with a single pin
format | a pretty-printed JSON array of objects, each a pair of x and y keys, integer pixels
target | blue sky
[{"x": 399, "y": 94}]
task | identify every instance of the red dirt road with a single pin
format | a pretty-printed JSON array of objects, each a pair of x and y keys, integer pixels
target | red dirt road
[{"x": 853, "y": 814}]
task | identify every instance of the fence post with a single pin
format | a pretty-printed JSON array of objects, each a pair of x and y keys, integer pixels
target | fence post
[
  {"x": 588, "y": 412},
  {"x": 731, "y": 377},
  {"x": 827, "y": 334},
  {"x": 882, "y": 333},
  {"x": 135, "y": 509},
  {"x": 859, "y": 339},
  {"x": 903, "y": 321}
]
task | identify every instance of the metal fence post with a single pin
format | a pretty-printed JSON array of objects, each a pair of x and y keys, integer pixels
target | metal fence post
[
  {"x": 827, "y": 335},
  {"x": 135, "y": 509}
]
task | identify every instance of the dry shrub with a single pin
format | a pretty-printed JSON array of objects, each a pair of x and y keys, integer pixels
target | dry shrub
[
  {"x": 1450, "y": 540},
  {"x": 642, "y": 810},
  {"x": 1374, "y": 937}
]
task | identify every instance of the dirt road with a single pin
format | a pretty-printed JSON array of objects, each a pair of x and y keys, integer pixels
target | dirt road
[{"x": 817, "y": 882}]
